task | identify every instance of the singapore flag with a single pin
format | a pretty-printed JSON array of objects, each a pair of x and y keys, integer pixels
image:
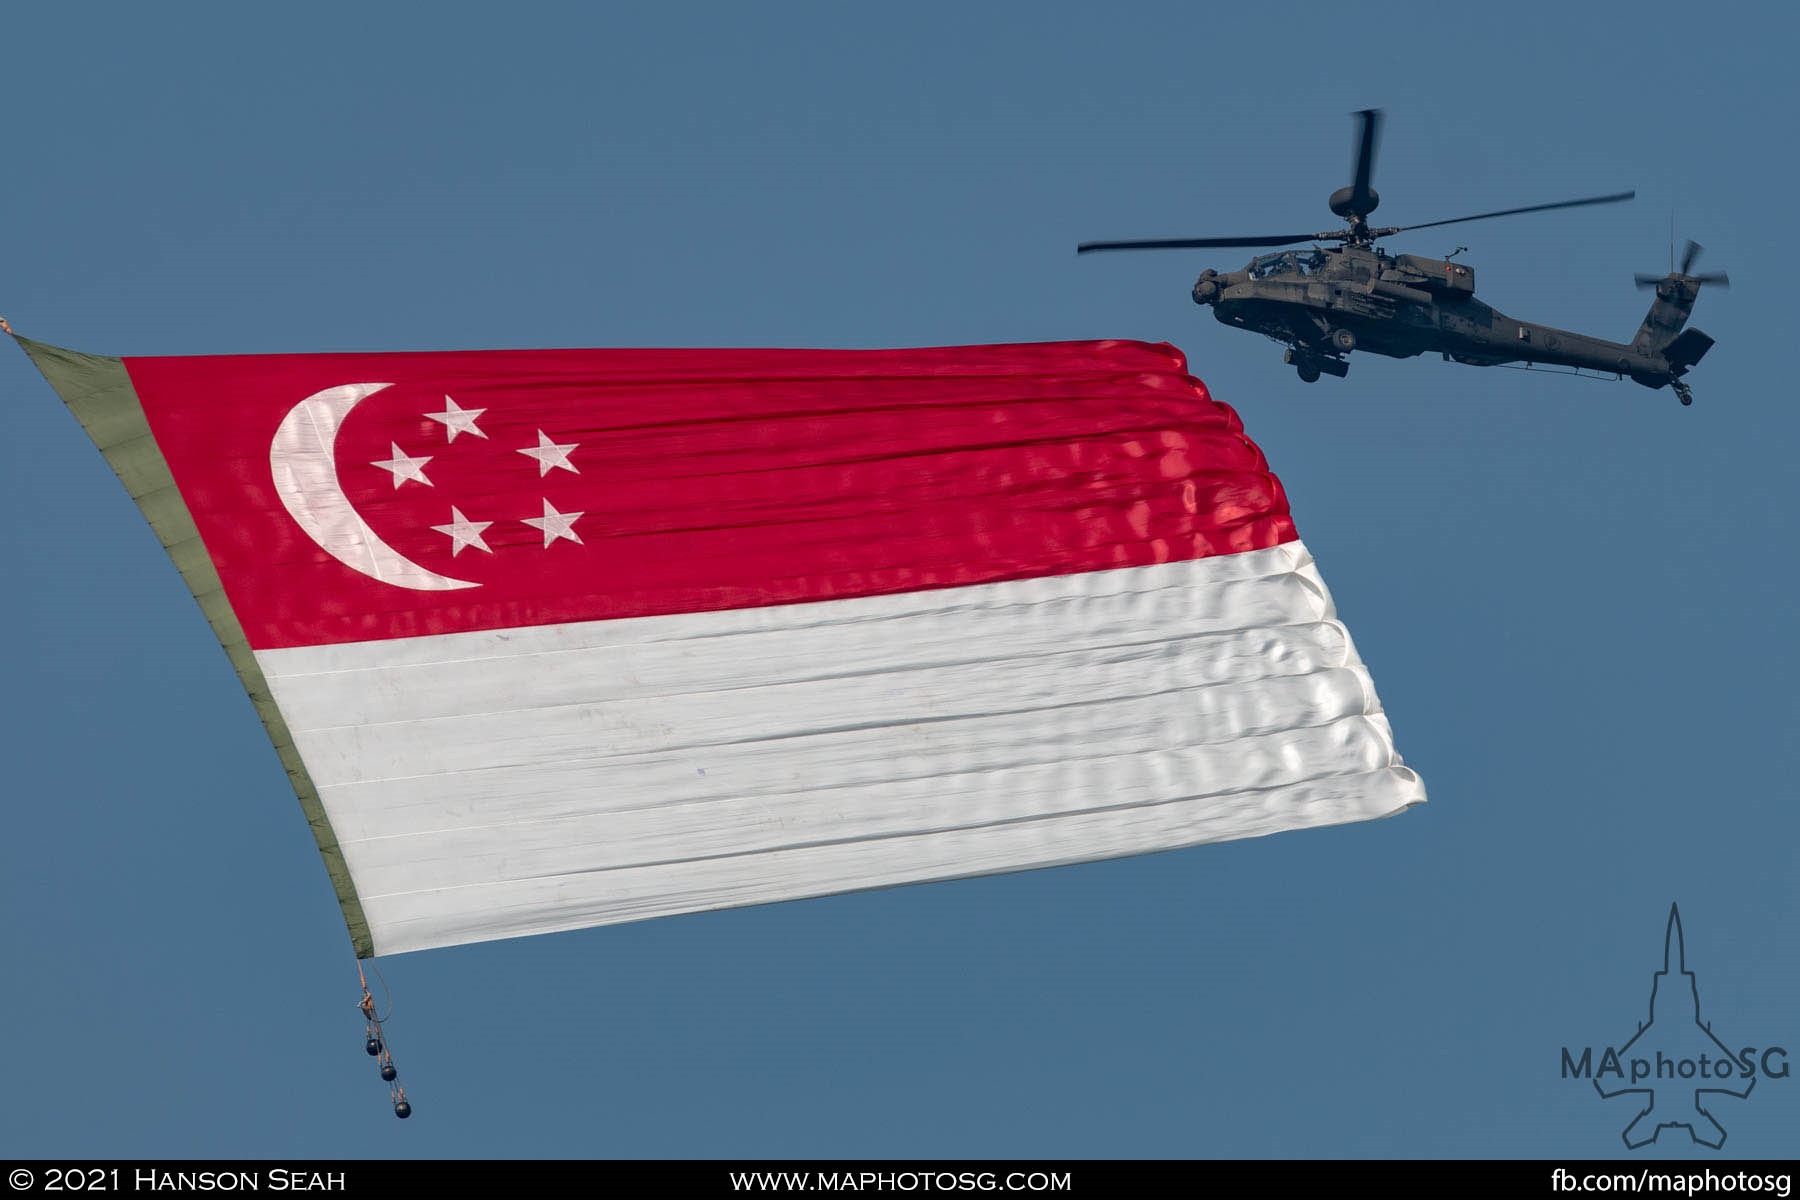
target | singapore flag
[{"x": 552, "y": 639}]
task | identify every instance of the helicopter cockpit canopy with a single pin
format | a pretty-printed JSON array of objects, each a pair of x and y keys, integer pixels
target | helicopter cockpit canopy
[{"x": 1286, "y": 262}]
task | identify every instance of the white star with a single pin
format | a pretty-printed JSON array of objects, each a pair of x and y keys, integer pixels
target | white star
[
  {"x": 457, "y": 419},
  {"x": 404, "y": 467},
  {"x": 556, "y": 525},
  {"x": 549, "y": 454},
  {"x": 463, "y": 532}
]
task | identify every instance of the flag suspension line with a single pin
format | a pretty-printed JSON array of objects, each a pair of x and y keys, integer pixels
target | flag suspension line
[{"x": 375, "y": 1042}]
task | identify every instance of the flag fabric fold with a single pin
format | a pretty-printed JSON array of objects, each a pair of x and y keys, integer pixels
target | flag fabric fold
[{"x": 552, "y": 639}]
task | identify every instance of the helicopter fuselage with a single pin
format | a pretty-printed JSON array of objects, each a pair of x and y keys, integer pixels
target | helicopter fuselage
[{"x": 1326, "y": 302}]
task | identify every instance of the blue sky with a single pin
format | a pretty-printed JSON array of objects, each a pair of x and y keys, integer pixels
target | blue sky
[{"x": 1575, "y": 596}]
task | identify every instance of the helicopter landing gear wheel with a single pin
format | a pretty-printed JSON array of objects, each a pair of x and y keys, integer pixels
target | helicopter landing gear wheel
[
  {"x": 1308, "y": 372},
  {"x": 1343, "y": 339},
  {"x": 1684, "y": 393}
]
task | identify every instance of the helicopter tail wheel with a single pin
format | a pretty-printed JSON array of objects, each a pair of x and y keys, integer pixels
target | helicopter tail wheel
[
  {"x": 1343, "y": 340},
  {"x": 1684, "y": 393}
]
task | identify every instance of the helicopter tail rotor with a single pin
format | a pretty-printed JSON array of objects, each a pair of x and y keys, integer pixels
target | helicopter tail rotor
[{"x": 1685, "y": 274}]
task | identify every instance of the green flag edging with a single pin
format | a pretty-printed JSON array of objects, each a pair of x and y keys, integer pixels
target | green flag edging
[{"x": 99, "y": 392}]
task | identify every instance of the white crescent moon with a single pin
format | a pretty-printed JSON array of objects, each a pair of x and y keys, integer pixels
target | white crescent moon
[{"x": 303, "y": 461}]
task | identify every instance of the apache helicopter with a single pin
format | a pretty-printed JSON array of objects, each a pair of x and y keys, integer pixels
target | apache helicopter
[{"x": 1326, "y": 301}]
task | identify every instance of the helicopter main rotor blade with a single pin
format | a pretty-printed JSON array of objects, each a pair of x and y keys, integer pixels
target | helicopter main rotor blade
[
  {"x": 1362, "y": 198},
  {"x": 1615, "y": 198},
  {"x": 1284, "y": 239}
]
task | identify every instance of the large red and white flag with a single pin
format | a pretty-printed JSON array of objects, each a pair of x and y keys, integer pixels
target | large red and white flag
[{"x": 551, "y": 639}]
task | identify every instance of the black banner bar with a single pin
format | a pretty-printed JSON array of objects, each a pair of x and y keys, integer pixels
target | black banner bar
[{"x": 908, "y": 1177}]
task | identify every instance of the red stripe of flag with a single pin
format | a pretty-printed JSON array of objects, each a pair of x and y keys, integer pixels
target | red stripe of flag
[{"x": 705, "y": 479}]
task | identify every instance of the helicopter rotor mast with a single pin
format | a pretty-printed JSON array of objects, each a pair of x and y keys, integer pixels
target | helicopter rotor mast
[
  {"x": 1356, "y": 202},
  {"x": 1353, "y": 203}
]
